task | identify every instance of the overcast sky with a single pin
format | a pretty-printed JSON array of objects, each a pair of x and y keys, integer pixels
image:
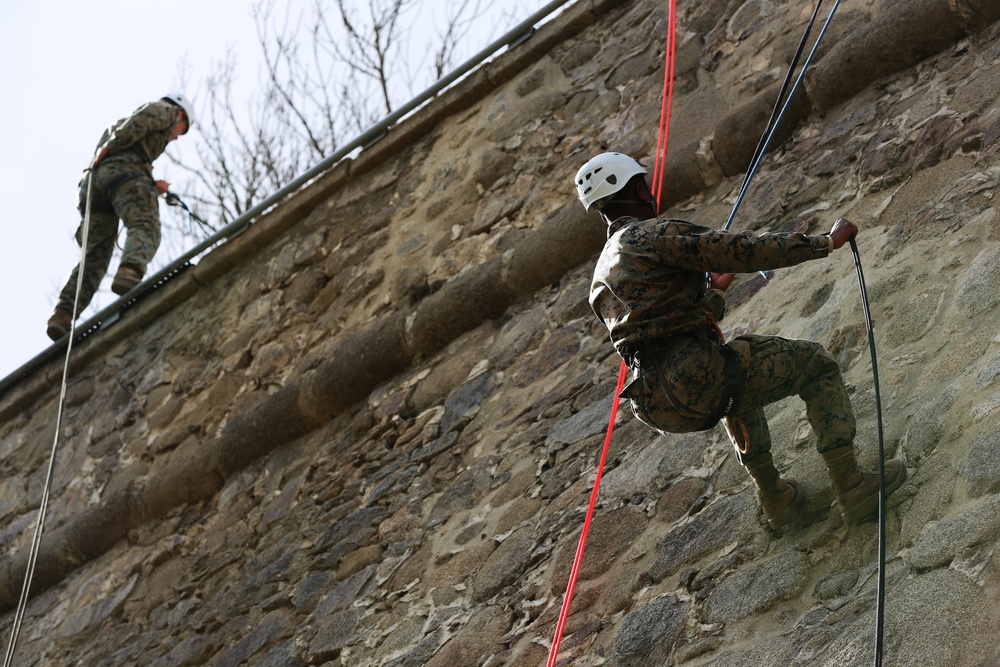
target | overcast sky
[{"x": 69, "y": 69}]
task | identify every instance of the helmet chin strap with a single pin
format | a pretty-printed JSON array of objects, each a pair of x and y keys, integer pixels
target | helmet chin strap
[
  {"x": 637, "y": 202},
  {"x": 634, "y": 194}
]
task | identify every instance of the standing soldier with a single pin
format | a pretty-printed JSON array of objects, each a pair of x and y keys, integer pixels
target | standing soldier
[
  {"x": 650, "y": 290},
  {"x": 121, "y": 186}
]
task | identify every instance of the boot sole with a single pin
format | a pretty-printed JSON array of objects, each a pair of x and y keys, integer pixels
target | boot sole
[{"x": 866, "y": 507}]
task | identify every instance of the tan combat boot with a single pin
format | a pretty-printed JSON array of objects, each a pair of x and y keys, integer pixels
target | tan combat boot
[
  {"x": 857, "y": 492},
  {"x": 126, "y": 278},
  {"x": 779, "y": 498},
  {"x": 59, "y": 324}
]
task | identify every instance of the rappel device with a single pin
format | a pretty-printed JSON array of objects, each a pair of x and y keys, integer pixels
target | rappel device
[{"x": 174, "y": 200}]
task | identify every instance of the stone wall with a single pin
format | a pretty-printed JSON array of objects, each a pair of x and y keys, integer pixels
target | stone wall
[{"x": 365, "y": 431}]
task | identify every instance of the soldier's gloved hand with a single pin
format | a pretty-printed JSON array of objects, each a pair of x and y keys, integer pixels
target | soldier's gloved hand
[
  {"x": 162, "y": 187},
  {"x": 721, "y": 281},
  {"x": 101, "y": 154},
  {"x": 842, "y": 232}
]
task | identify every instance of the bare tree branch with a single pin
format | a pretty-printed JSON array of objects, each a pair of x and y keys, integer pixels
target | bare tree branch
[{"x": 326, "y": 75}]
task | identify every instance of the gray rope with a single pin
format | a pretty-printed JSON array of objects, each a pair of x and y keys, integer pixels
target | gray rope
[{"x": 47, "y": 489}]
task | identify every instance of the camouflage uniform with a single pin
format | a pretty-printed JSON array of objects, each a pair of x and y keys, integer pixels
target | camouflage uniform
[
  {"x": 122, "y": 188},
  {"x": 650, "y": 290}
]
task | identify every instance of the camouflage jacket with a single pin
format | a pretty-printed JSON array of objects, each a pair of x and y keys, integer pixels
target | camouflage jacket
[
  {"x": 650, "y": 279},
  {"x": 145, "y": 133}
]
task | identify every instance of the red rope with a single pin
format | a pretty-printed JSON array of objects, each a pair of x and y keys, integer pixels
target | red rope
[
  {"x": 666, "y": 104},
  {"x": 661, "y": 155},
  {"x": 575, "y": 572}
]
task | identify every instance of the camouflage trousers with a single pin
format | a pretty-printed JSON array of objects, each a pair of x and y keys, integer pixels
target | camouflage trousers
[
  {"x": 121, "y": 189},
  {"x": 773, "y": 368}
]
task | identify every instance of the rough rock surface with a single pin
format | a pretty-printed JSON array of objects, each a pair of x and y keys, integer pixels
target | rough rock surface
[{"x": 431, "y": 520}]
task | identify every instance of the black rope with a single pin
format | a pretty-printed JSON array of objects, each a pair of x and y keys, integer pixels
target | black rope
[
  {"x": 772, "y": 122},
  {"x": 880, "y": 595},
  {"x": 769, "y": 132}
]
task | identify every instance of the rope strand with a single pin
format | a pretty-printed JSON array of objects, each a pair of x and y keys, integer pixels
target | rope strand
[
  {"x": 880, "y": 589},
  {"x": 47, "y": 488},
  {"x": 578, "y": 559},
  {"x": 770, "y": 134},
  {"x": 661, "y": 152}
]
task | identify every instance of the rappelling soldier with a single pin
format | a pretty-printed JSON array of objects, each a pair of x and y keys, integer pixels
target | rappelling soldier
[
  {"x": 658, "y": 288},
  {"x": 121, "y": 186}
]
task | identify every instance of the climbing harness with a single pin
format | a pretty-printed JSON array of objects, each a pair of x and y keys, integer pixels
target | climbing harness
[
  {"x": 647, "y": 357},
  {"x": 664, "y": 130},
  {"x": 880, "y": 594},
  {"x": 47, "y": 488}
]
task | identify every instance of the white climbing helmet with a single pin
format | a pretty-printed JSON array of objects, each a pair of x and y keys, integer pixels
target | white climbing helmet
[
  {"x": 604, "y": 175},
  {"x": 185, "y": 104}
]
